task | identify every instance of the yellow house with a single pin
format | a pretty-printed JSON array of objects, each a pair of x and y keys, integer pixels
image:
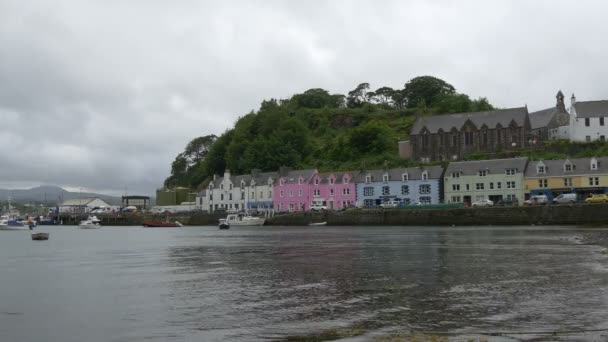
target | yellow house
[{"x": 583, "y": 176}]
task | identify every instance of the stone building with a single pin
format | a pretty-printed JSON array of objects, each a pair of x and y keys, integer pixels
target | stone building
[
  {"x": 551, "y": 123},
  {"x": 453, "y": 136}
]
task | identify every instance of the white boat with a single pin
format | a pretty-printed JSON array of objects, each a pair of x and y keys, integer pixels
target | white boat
[
  {"x": 318, "y": 224},
  {"x": 10, "y": 221},
  {"x": 244, "y": 220},
  {"x": 92, "y": 222}
]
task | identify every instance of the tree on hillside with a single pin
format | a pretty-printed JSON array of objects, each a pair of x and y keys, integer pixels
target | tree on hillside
[
  {"x": 194, "y": 153},
  {"x": 318, "y": 98},
  {"x": 370, "y": 137},
  {"x": 384, "y": 95},
  {"x": 426, "y": 90},
  {"x": 358, "y": 96},
  {"x": 481, "y": 104}
]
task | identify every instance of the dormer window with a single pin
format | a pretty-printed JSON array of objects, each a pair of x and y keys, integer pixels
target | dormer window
[
  {"x": 331, "y": 181},
  {"x": 316, "y": 181},
  {"x": 368, "y": 179},
  {"x": 242, "y": 185},
  {"x": 568, "y": 168},
  {"x": 594, "y": 164},
  {"x": 230, "y": 186},
  {"x": 482, "y": 173},
  {"x": 300, "y": 180},
  {"x": 405, "y": 177},
  {"x": 510, "y": 172},
  {"x": 425, "y": 175},
  {"x": 222, "y": 186},
  {"x": 455, "y": 174},
  {"x": 385, "y": 178},
  {"x": 345, "y": 180},
  {"x": 540, "y": 169},
  {"x": 282, "y": 182},
  {"x": 210, "y": 185}
]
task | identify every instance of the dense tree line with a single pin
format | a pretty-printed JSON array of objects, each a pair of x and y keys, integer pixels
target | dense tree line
[{"x": 319, "y": 129}]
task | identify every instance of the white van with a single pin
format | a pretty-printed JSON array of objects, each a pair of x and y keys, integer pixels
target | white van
[
  {"x": 565, "y": 198},
  {"x": 318, "y": 205}
]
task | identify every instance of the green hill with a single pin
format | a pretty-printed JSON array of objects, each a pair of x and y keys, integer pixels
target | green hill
[{"x": 322, "y": 130}]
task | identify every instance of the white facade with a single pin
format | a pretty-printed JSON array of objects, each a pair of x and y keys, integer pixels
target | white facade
[
  {"x": 81, "y": 205},
  {"x": 237, "y": 193},
  {"x": 588, "y": 120}
]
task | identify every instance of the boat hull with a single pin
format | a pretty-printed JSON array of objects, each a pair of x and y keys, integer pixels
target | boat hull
[
  {"x": 259, "y": 222},
  {"x": 89, "y": 226},
  {"x": 40, "y": 236},
  {"x": 161, "y": 224}
]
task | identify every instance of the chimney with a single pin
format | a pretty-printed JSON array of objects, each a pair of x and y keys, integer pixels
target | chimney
[
  {"x": 214, "y": 176},
  {"x": 227, "y": 174}
]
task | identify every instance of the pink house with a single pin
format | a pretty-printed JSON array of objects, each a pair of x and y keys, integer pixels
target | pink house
[
  {"x": 292, "y": 192},
  {"x": 336, "y": 189}
]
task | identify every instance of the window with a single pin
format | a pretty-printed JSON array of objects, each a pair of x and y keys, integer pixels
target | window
[
  {"x": 587, "y": 138},
  {"x": 346, "y": 191},
  {"x": 316, "y": 181},
  {"x": 594, "y": 181},
  {"x": 406, "y": 201},
  {"x": 425, "y": 200},
  {"x": 316, "y": 193},
  {"x": 368, "y": 179},
  {"x": 230, "y": 205},
  {"x": 567, "y": 181},
  {"x": 482, "y": 173},
  {"x": 222, "y": 186},
  {"x": 587, "y": 123},
  {"x": 498, "y": 185},
  {"x": 369, "y": 203},
  {"x": 568, "y": 167},
  {"x": 221, "y": 197},
  {"x": 540, "y": 169},
  {"x": 300, "y": 181},
  {"x": 345, "y": 180},
  {"x": 602, "y": 121},
  {"x": 211, "y": 197},
  {"x": 300, "y": 193},
  {"x": 479, "y": 186},
  {"x": 425, "y": 189},
  {"x": 405, "y": 177},
  {"x": 386, "y": 190},
  {"x": 542, "y": 183},
  {"x": 230, "y": 186},
  {"x": 511, "y": 185},
  {"x": 282, "y": 182},
  {"x": 242, "y": 186},
  {"x": 236, "y": 205},
  {"x": 252, "y": 194},
  {"x": 368, "y": 191},
  {"x": 261, "y": 194},
  {"x": 454, "y": 140},
  {"x": 331, "y": 192},
  {"x": 290, "y": 193},
  {"x": 405, "y": 189},
  {"x": 593, "y": 164},
  {"x": 281, "y": 193},
  {"x": 242, "y": 195},
  {"x": 385, "y": 178},
  {"x": 456, "y": 199},
  {"x": 425, "y": 176},
  {"x": 510, "y": 172},
  {"x": 468, "y": 138},
  {"x": 455, "y": 187},
  {"x": 491, "y": 185},
  {"x": 468, "y": 188},
  {"x": 331, "y": 181},
  {"x": 602, "y": 138},
  {"x": 269, "y": 193},
  {"x": 455, "y": 174}
]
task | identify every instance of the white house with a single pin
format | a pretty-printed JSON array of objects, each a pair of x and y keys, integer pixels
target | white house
[
  {"x": 238, "y": 193},
  {"x": 588, "y": 121},
  {"x": 81, "y": 205}
]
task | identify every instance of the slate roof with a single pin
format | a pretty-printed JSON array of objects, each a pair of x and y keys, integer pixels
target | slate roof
[
  {"x": 555, "y": 168},
  {"x": 489, "y": 118},
  {"x": 413, "y": 173},
  {"x": 339, "y": 175},
  {"x": 541, "y": 118},
  {"x": 493, "y": 166},
  {"x": 262, "y": 177},
  {"x": 292, "y": 176},
  {"x": 589, "y": 109}
]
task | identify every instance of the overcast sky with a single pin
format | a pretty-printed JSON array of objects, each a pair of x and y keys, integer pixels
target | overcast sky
[{"x": 103, "y": 94}]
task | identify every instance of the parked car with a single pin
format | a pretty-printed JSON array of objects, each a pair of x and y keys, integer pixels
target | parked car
[
  {"x": 482, "y": 203},
  {"x": 318, "y": 205},
  {"x": 565, "y": 198},
  {"x": 390, "y": 204},
  {"x": 508, "y": 201},
  {"x": 597, "y": 198},
  {"x": 537, "y": 199}
]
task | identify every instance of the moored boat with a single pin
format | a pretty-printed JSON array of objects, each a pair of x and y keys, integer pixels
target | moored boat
[
  {"x": 244, "y": 220},
  {"x": 40, "y": 236},
  {"x": 224, "y": 224},
  {"x": 167, "y": 224},
  {"x": 318, "y": 224},
  {"x": 92, "y": 222}
]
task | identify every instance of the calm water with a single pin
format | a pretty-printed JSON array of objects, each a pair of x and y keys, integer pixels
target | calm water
[{"x": 248, "y": 284}]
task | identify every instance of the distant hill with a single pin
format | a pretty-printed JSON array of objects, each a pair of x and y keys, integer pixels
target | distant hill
[{"x": 50, "y": 194}]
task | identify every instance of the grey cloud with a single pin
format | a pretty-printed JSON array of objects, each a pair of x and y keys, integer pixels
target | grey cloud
[{"x": 104, "y": 94}]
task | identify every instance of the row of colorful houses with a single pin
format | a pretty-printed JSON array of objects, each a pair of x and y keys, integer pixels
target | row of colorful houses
[{"x": 462, "y": 182}]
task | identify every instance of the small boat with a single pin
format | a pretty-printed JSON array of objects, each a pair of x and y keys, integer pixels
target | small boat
[
  {"x": 92, "y": 222},
  {"x": 40, "y": 236},
  {"x": 162, "y": 224},
  {"x": 244, "y": 220},
  {"x": 224, "y": 224},
  {"x": 318, "y": 224},
  {"x": 7, "y": 222}
]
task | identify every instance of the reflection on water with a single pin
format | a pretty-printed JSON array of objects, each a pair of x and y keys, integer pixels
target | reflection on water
[{"x": 244, "y": 284}]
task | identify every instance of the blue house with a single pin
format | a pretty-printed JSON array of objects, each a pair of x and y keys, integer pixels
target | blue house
[{"x": 406, "y": 185}]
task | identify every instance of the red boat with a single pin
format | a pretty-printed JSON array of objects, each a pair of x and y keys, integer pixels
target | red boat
[{"x": 162, "y": 224}]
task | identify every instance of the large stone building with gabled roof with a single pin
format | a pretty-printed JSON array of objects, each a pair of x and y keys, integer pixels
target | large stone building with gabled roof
[{"x": 453, "y": 136}]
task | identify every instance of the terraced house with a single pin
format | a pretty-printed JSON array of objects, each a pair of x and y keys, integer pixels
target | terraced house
[
  {"x": 583, "y": 176},
  {"x": 471, "y": 181},
  {"x": 335, "y": 189},
  {"x": 243, "y": 192},
  {"x": 406, "y": 185},
  {"x": 291, "y": 192}
]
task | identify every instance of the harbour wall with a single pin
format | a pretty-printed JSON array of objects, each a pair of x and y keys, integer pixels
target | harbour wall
[{"x": 578, "y": 214}]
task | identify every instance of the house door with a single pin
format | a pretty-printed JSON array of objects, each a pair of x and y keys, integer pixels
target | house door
[
  {"x": 331, "y": 204},
  {"x": 467, "y": 200}
]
